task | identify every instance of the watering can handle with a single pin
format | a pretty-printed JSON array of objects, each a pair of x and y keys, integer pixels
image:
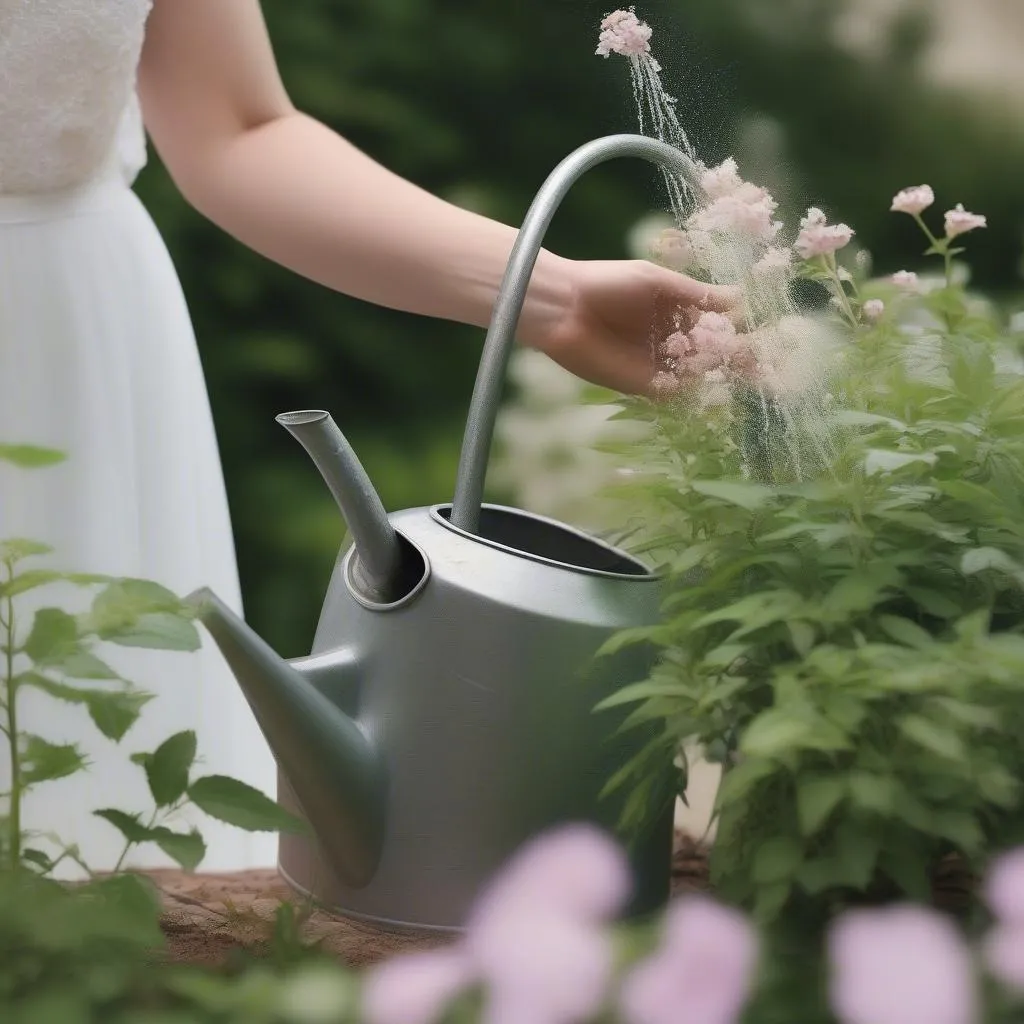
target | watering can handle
[{"x": 483, "y": 410}]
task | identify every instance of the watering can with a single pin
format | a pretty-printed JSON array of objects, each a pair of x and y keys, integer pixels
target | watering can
[{"x": 446, "y": 713}]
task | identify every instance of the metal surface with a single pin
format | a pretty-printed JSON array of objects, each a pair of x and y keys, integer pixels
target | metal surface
[
  {"x": 446, "y": 713},
  {"x": 476, "y": 699},
  {"x": 483, "y": 411},
  {"x": 379, "y": 552}
]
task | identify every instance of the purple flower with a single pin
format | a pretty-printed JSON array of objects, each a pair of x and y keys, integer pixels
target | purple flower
[
  {"x": 414, "y": 988},
  {"x": 1004, "y": 955},
  {"x": 900, "y": 965},
  {"x": 1004, "y": 887},
  {"x": 701, "y": 974},
  {"x": 533, "y": 941}
]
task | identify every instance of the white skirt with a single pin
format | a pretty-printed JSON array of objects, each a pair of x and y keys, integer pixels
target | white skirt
[{"x": 98, "y": 359}]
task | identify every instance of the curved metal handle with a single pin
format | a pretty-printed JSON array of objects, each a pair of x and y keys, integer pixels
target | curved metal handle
[{"x": 483, "y": 410}]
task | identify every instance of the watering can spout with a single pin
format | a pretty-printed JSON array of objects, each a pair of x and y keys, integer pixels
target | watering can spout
[
  {"x": 328, "y": 761},
  {"x": 377, "y": 566}
]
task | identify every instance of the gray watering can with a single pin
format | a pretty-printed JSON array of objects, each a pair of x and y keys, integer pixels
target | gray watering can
[{"x": 446, "y": 712}]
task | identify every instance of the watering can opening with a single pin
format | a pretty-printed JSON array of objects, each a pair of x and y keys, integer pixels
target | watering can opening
[{"x": 546, "y": 540}]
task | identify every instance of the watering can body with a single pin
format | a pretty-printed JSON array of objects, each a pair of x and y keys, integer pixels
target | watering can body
[
  {"x": 446, "y": 714},
  {"x": 478, "y": 693}
]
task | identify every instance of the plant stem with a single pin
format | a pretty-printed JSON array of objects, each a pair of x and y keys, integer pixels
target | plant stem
[
  {"x": 833, "y": 271},
  {"x": 11, "y": 726},
  {"x": 130, "y": 843}
]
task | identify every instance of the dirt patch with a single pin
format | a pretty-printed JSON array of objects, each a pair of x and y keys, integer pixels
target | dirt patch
[{"x": 211, "y": 920}]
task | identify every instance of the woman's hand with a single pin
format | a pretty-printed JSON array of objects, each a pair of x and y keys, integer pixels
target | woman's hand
[{"x": 614, "y": 317}]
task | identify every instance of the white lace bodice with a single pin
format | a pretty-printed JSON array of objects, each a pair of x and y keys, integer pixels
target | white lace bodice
[{"x": 68, "y": 108}]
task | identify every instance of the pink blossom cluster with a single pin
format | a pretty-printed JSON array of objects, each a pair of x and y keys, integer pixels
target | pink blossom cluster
[
  {"x": 536, "y": 945},
  {"x": 623, "y": 33},
  {"x": 819, "y": 238},
  {"x": 1004, "y": 945},
  {"x": 736, "y": 205},
  {"x": 917, "y": 198}
]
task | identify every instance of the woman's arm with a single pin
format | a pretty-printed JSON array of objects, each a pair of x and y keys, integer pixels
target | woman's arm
[{"x": 298, "y": 193}]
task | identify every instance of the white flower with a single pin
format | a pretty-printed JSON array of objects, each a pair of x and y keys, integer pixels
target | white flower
[
  {"x": 622, "y": 32},
  {"x": 906, "y": 279},
  {"x": 819, "y": 238},
  {"x": 959, "y": 220},
  {"x": 721, "y": 180},
  {"x": 873, "y": 309},
  {"x": 913, "y": 200},
  {"x": 774, "y": 261}
]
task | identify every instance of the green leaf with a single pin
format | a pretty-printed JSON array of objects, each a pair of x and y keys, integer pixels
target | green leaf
[
  {"x": 54, "y": 635},
  {"x": 860, "y": 591},
  {"x": 42, "y": 761},
  {"x": 187, "y": 848},
  {"x": 28, "y": 456},
  {"x": 770, "y": 900},
  {"x": 871, "y": 792},
  {"x": 774, "y": 732},
  {"x": 37, "y": 859},
  {"x": 159, "y": 631},
  {"x": 856, "y": 848},
  {"x": 127, "y": 824},
  {"x": 644, "y": 691},
  {"x": 28, "y": 580},
  {"x": 739, "y": 779},
  {"x": 84, "y": 665},
  {"x": 817, "y": 797},
  {"x": 755, "y": 611},
  {"x": 905, "y": 632},
  {"x": 129, "y": 908},
  {"x": 879, "y": 460},
  {"x": 853, "y": 418},
  {"x": 777, "y": 860},
  {"x": 927, "y": 734},
  {"x": 238, "y": 804},
  {"x": 139, "y": 613},
  {"x": 113, "y": 712},
  {"x": 168, "y": 767},
  {"x": 979, "y": 559},
  {"x": 746, "y": 495},
  {"x": 803, "y": 635},
  {"x": 16, "y": 549}
]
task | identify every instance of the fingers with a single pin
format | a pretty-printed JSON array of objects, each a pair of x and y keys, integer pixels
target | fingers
[{"x": 605, "y": 361}]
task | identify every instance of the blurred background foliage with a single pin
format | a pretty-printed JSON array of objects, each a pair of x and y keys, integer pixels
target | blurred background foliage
[{"x": 478, "y": 100}]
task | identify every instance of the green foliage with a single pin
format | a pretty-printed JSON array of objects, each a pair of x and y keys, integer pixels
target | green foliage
[{"x": 853, "y": 641}]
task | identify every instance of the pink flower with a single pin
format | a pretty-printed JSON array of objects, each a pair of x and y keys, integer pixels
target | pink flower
[
  {"x": 1004, "y": 955},
  {"x": 1004, "y": 887},
  {"x": 532, "y": 940},
  {"x": 721, "y": 180},
  {"x": 673, "y": 249},
  {"x": 818, "y": 238},
  {"x": 906, "y": 279},
  {"x": 873, "y": 309},
  {"x": 701, "y": 974},
  {"x": 575, "y": 870},
  {"x": 900, "y": 965},
  {"x": 415, "y": 988},
  {"x": 742, "y": 211},
  {"x": 665, "y": 384},
  {"x": 959, "y": 220},
  {"x": 913, "y": 200},
  {"x": 622, "y": 32},
  {"x": 774, "y": 261}
]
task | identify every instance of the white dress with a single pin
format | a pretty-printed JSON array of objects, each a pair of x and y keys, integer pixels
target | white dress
[{"x": 98, "y": 359}]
